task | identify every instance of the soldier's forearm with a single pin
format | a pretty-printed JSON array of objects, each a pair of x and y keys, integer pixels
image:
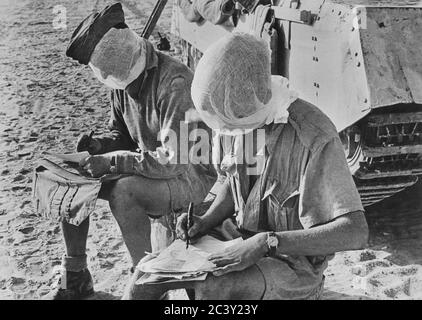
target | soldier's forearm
[
  {"x": 144, "y": 164},
  {"x": 221, "y": 208},
  {"x": 348, "y": 232}
]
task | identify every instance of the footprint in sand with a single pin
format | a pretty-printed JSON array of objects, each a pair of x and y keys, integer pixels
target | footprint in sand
[
  {"x": 382, "y": 279},
  {"x": 396, "y": 282},
  {"x": 365, "y": 268},
  {"x": 26, "y": 230}
]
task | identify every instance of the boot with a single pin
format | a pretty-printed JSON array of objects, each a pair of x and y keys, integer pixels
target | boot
[{"x": 72, "y": 286}]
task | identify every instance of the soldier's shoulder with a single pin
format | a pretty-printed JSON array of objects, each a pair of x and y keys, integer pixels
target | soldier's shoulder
[
  {"x": 313, "y": 126},
  {"x": 174, "y": 74}
]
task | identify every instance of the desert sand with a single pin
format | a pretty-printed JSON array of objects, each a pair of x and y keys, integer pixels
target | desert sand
[{"x": 48, "y": 100}]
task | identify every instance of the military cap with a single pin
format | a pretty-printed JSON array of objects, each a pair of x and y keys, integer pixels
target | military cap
[{"x": 92, "y": 29}]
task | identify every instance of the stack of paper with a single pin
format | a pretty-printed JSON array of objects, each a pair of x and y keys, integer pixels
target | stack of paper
[
  {"x": 176, "y": 263},
  {"x": 71, "y": 157}
]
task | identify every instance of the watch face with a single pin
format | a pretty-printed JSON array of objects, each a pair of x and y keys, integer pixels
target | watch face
[{"x": 272, "y": 241}]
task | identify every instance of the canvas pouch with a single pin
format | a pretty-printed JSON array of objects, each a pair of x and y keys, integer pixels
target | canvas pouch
[{"x": 60, "y": 194}]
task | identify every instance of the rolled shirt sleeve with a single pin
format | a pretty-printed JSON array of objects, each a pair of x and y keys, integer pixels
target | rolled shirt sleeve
[{"x": 327, "y": 189}]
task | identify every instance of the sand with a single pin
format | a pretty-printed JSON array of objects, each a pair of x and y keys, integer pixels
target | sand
[{"x": 47, "y": 100}]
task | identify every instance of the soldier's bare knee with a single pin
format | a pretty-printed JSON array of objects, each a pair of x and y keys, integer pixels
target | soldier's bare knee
[
  {"x": 122, "y": 193},
  {"x": 151, "y": 197}
]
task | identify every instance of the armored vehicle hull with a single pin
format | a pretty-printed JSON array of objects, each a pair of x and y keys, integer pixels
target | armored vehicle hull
[{"x": 358, "y": 62}]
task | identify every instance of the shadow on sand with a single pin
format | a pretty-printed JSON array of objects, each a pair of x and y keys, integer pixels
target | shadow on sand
[
  {"x": 396, "y": 223},
  {"x": 101, "y": 295}
]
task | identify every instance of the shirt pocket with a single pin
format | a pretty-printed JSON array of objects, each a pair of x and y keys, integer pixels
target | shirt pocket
[{"x": 280, "y": 211}]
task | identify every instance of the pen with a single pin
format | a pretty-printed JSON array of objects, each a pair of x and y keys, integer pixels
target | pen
[
  {"x": 88, "y": 142},
  {"x": 189, "y": 224},
  {"x": 90, "y": 136}
]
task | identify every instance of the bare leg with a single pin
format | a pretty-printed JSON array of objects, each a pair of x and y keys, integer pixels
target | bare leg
[
  {"x": 131, "y": 199},
  {"x": 75, "y": 237},
  {"x": 75, "y": 241}
]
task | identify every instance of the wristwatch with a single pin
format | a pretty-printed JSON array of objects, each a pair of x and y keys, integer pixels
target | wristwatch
[
  {"x": 113, "y": 168},
  {"x": 272, "y": 243}
]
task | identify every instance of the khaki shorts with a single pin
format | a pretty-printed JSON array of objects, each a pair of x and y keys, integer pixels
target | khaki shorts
[{"x": 284, "y": 283}]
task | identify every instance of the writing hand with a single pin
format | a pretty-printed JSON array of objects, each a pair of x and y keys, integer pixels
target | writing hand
[
  {"x": 87, "y": 143},
  {"x": 198, "y": 227}
]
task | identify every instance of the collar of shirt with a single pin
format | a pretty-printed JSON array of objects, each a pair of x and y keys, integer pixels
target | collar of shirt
[
  {"x": 273, "y": 130},
  {"x": 272, "y": 133}
]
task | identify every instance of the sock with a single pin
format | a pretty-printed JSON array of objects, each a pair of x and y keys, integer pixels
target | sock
[{"x": 74, "y": 263}]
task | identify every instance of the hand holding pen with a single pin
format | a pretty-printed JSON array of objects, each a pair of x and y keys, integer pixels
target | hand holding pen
[
  {"x": 88, "y": 143},
  {"x": 190, "y": 227}
]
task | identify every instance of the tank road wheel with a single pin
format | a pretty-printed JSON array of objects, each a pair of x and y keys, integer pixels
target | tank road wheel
[
  {"x": 351, "y": 139},
  {"x": 383, "y": 153}
]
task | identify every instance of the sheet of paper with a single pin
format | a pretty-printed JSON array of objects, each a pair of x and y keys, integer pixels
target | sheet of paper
[
  {"x": 72, "y": 157},
  {"x": 153, "y": 278},
  {"x": 177, "y": 259},
  {"x": 210, "y": 244}
]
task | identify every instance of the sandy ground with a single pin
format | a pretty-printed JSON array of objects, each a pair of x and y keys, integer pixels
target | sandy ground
[{"x": 47, "y": 100}]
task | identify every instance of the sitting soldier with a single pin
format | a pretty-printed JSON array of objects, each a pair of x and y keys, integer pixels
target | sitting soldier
[
  {"x": 149, "y": 98},
  {"x": 295, "y": 209}
]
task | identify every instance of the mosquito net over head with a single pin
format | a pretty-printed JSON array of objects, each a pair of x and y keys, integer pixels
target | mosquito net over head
[
  {"x": 233, "y": 90},
  {"x": 119, "y": 58}
]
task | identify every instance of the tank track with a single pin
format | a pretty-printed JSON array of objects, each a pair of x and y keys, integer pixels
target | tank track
[{"x": 387, "y": 155}]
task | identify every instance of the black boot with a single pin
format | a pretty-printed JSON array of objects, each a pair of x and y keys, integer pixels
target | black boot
[{"x": 72, "y": 286}]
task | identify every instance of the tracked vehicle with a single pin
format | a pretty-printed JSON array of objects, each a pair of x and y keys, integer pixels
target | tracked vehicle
[{"x": 358, "y": 62}]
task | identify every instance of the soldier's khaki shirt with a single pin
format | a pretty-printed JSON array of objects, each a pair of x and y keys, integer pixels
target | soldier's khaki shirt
[{"x": 305, "y": 182}]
